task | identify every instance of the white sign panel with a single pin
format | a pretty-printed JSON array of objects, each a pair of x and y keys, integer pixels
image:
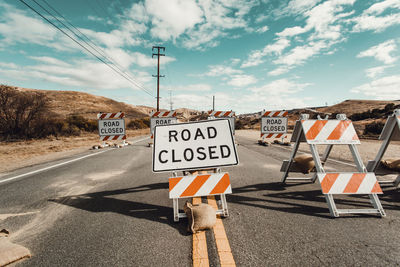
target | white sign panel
[
  {"x": 161, "y": 121},
  {"x": 195, "y": 145},
  {"x": 274, "y": 125},
  {"x": 112, "y": 127}
]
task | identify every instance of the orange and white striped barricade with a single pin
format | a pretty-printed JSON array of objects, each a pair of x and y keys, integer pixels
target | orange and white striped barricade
[
  {"x": 273, "y": 125},
  {"x": 193, "y": 147},
  {"x": 112, "y": 127},
  {"x": 161, "y": 118},
  {"x": 334, "y": 132},
  {"x": 390, "y": 132},
  {"x": 230, "y": 115},
  {"x": 199, "y": 185}
]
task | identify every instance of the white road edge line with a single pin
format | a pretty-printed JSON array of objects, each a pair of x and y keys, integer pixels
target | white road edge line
[{"x": 62, "y": 163}]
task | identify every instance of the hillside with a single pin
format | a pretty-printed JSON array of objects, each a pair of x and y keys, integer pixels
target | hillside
[
  {"x": 352, "y": 106},
  {"x": 66, "y": 103}
]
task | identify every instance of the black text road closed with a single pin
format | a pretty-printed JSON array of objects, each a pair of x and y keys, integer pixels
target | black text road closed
[
  {"x": 273, "y": 125},
  {"x": 196, "y": 145},
  {"x": 161, "y": 121},
  {"x": 111, "y": 127}
]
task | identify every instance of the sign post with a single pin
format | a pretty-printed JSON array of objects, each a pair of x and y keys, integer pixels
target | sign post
[
  {"x": 111, "y": 127},
  {"x": 194, "y": 146}
]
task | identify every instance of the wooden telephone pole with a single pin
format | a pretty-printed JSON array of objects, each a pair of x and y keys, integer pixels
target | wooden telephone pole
[{"x": 158, "y": 71}]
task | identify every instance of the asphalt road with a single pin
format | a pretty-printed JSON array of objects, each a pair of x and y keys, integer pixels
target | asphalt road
[{"x": 110, "y": 209}]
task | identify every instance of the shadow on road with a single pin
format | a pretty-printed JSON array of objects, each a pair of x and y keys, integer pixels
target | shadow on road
[
  {"x": 297, "y": 201},
  {"x": 105, "y": 201}
]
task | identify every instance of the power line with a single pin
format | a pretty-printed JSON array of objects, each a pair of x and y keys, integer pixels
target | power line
[
  {"x": 102, "y": 53},
  {"x": 77, "y": 42}
]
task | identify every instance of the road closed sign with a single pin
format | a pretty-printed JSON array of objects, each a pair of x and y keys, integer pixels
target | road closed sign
[
  {"x": 161, "y": 121},
  {"x": 111, "y": 127},
  {"x": 195, "y": 145},
  {"x": 272, "y": 125}
]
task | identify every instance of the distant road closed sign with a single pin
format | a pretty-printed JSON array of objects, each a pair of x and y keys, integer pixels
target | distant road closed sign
[
  {"x": 273, "y": 125},
  {"x": 111, "y": 127},
  {"x": 196, "y": 145},
  {"x": 161, "y": 121}
]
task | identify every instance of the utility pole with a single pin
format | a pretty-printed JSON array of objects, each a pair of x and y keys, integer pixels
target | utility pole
[
  {"x": 213, "y": 102},
  {"x": 158, "y": 71},
  {"x": 170, "y": 100}
]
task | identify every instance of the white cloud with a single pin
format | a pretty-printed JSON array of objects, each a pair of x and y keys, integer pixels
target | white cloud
[
  {"x": 383, "y": 88},
  {"x": 278, "y": 71},
  {"x": 241, "y": 80},
  {"x": 83, "y": 74},
  {"x": 280, "y": 87},
  {"x": 172, "y": 18},
  {"x": 370, "y": 19},
  {"x": 300, "y": 54},
  {"x": 257, "y": 57},
  {"x": 221, "y": 70},
  {"x": 380, "y": 7},
  {"x": 201, "y": 87},
  {"x": 375, "y": 71},
  {"x": 262, "y": 29},
  {"x": 381, "y": 52}
]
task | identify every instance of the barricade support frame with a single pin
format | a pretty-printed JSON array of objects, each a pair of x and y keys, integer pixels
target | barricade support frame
[
  {"x": 387, "y": 136},
  {"x": 319, "y": 167}
]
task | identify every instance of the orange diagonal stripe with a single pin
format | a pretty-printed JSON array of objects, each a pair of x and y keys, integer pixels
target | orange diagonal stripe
[
  {"x": 285, "y": 114},
  {"x": 276, "y": 114},
  {"x": 173, "y": 181},
  {"x": 328, "y": 182},
  {"x": 192, "y": 189},
  {"x": 266, "y": 113},
  {"x": 227, "y": 114},
  {"x": 315, "y": 129},
  {"x": 217, "y": 113},
  {"x": 339, "y": 130},
  {"x": 222, "y": 185},
  {"x": 354, "y": 183},
  {"x": 376, "y": 189}
]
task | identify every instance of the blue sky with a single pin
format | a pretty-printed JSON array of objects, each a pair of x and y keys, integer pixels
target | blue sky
[{"x": 251, "y": 55}]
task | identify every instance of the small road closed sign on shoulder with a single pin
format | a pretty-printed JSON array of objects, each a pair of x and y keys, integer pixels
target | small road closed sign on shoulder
[
  {"x": 195, "y": 145},
  {"x": 272, "y": 125},
  {"x": 111, "y": 127}
]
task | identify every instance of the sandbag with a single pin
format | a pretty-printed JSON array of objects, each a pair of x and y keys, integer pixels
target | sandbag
[
  {"x": 200, "y": 216},
  {"x": 391, "y": 164},
  {"x": 305, "y": 163}
]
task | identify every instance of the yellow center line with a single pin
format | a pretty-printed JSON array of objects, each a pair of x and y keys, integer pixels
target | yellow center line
[
  {"x": 200, "y": 253},
  {"x": 223, "y": 247}
]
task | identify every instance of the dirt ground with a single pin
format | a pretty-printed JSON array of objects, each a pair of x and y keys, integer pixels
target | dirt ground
[
  {"x": 368, "y": 148},
  {"x": 14, "y": 155}
]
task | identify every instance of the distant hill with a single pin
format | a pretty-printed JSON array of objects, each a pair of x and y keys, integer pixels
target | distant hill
[
  {"x": 352, "y": 106},
  {"x": 65, "y": 103}
]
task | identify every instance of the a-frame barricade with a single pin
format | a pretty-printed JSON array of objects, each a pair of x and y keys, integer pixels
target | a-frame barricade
[
  {"x": 390, "y": 132},
  {"x": 334, "y": 132},
  {"x": 197, "y": 184},
  {"x": 158, "y": 115}
]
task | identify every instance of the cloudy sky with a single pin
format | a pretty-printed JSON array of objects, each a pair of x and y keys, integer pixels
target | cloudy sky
[{"x": 251, "y": 55}]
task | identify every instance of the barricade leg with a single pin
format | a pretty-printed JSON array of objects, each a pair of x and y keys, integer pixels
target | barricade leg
[
  {"x": 294, "y": 151},
  {"x": 396, "y": 181},
  {"x": 224, "y": 212},
  {"x": 331, "y": 205},
  {"x": 176, "y": 209},
  {"x": 377, "y": 204}
]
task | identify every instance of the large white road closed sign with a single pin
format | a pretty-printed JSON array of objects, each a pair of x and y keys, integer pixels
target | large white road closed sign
[
  {"x": 112, "y": 127},
  {"x": 273, "y": 125},
  {"x": 195, "y": 145},
  {"x": 161, "y": 121}
]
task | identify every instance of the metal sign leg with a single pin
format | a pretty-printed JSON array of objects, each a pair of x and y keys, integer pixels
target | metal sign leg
[
  {"x": 224, "y": 205},
  {"x": 292, "y": 155},
  {"x": 377, "y": 204},
  {"x": 176, "y": 209},
  {"x": 331, "y": 205}
]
